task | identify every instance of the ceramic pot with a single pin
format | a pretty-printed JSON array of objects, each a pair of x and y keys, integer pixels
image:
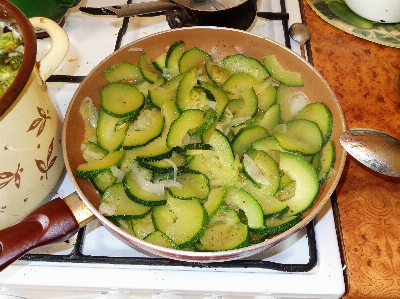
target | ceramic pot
[{"x": 31, "y": 159}]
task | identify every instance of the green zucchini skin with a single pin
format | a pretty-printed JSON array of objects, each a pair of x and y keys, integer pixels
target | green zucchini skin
[{"x": 344, "y": 12}]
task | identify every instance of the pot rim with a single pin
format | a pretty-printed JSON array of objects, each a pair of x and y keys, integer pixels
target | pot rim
[{"x": 16, "y": 19}]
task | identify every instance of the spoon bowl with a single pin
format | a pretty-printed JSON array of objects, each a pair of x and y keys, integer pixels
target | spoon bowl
[
  {"x": 374, "y": 149},
  {"x": 301, "y": 34}
]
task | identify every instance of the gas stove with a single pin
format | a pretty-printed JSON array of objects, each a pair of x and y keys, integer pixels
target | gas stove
[{"x": 95, "y": 264}]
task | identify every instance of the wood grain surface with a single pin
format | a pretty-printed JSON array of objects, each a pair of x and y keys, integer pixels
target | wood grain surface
[{"x": 364, "y": 76}]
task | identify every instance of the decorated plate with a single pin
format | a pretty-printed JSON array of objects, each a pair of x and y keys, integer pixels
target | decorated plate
[{"x": 384, "y": 34}]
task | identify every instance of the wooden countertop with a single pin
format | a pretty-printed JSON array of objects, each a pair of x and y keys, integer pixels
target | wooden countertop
[{"x": 364, "y": 76}]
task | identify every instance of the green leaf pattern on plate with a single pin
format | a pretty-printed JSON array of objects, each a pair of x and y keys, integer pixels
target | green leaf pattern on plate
[{"x": 384, "y": 34}]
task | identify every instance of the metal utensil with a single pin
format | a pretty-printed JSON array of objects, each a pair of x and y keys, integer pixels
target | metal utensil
[
  {"x": 374, "y": 149},
  {"x": 301, "y": 34}
]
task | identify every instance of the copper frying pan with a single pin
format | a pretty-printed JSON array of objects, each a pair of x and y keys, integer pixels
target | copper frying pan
[{"x": 60, "y": 219}]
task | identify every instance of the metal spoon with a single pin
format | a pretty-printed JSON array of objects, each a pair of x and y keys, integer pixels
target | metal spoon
[
  {"x": 374, "y": 149},
  {"x": 300, "y": 33}
]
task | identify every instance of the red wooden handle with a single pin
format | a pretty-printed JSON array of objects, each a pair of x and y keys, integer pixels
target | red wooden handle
[{"x": 52, "y": 222}]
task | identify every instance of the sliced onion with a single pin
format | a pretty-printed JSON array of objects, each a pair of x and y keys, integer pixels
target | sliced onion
[
  {"x": 174, "y": 166},
  {"x": 107, "y": 209},
  {"x": 155, "y": 188},
  {"x": 253, "y": 170},
  {"x": 118, "y": 173},
  {"x": 298, "y": 100},
  {"x": 133, "y": 49}
]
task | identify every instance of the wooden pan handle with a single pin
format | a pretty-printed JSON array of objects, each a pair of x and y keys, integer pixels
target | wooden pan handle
[{"x": 52, "y": 222}]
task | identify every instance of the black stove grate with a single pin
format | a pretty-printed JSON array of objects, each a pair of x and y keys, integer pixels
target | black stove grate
[{"x": 77, "y": 256}]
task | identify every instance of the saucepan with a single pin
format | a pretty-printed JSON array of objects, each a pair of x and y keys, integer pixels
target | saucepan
[
  {"x": 59, "y": 219},
  {"x": 237, "y": 14}
]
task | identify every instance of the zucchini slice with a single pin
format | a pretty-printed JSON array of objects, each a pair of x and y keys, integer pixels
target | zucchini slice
[
  {"x": 328, "y": 156},
  {"x": 240, "y": 63},
  {"x": 193, "y": 57},
  {"x": 174, "y": 54},
  {"x": 225, "y": 231},
  {"x": 305, "y": 178},
  {"x": 320, "y": 114},
  {"x": 217, "y": 73},
  {"x": 280, "y": 73},
  {"x": 299, "y": 135},
  {"x": 194, "y": 186},
  {"x": 182, "y": 221},
  {"x": 123, "y": 71},
  {"x": 141, "y": 196},
  {"x": 147, "y": 127},
  {"x": 160, "y": 239},
  {"x": 189, "y": 119},
  {"x": 94, "y": 168},
  {"x": 277, "y": 225},
  {"x": 246, "y": 137},
  {"x": 110, "y": 131},
  {"x": 238, "y": 199},
  {"x": 116, "y": 204},
  {"x": 149, "y": 71},
  {"x": 103, "y": 180},
  {"x": 143, "y": 227}
]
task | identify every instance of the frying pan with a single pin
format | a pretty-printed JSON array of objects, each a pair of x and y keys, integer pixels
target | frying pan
[
  {"x": 238, "y": 14},
  {"x": 59, "y": 219}
]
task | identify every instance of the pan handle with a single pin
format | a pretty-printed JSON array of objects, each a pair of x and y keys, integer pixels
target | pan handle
[
  {"x": 55, "y": 221},
  {"x": 139, "y": 8}
]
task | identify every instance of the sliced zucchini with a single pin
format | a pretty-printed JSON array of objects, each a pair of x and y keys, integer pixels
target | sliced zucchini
[
  {"x": 149, "y": 71},
  {"x": 328, "y": 156},
  {"x": 320, "y": 114},
  {"x": 306, "y": 179},
  {"x": 237, "y": 83},
  {"x": 138, "y": 194},
  {"x": 220, "y": 98},
  {"x": 103, "y": 180},
  {"x": 266, "y": 95},
  {"x": 277, "y": 225},
  {"x": 174, "y": 54},
  {"x": 148, "y": 126},
  {"x": 182, "y": 221},
  {"x": 271, "y": 118},
  {"x": 143, "y": 227},
  {"x": 93, "y": 151},
  {"x": 108, "y": 136},
  {"x": 246, "y": 137},
  {"x": 240, "y": 63},
  {"x": 299, "y": 135},
  {"x": 217, "y": 73},
  {"x": 214, "y": 201},
  {"x": 159, "y": 62},
  {"x": 269, "y": 145},
  {"x": 189, "y": 119},
  {"x": 176, "y": 163},
  {"x": 94, "y": 168},
  {"x": 193, "y": 57},
  {"x": 116, "y": 203},
  {"x": 160, "y": 239},
  {"x": 123, "y": 71},
  {"x": 246, "y": 106},
  {"x": 262, "y": 170},
  {"x": 271, "y": 206},
  {"x": 224, "y": 232},
  {"x": 183, "y": 94},
  {"x": 280, "y": 73},
  {"x": 194, "y": 186},
  {"x": 238, "y": 199},
  {"x": 158, "y": 96}
]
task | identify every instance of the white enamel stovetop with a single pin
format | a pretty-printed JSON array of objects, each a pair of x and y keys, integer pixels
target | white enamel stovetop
[{"x": 93, "y": 39}]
